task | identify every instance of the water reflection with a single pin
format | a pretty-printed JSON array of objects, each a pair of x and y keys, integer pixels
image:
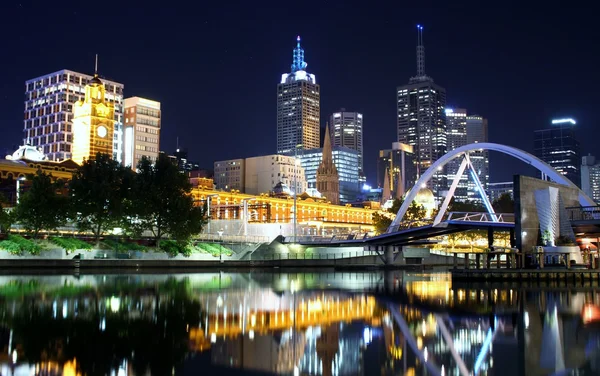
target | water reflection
[{"x": 371, "y": 323}]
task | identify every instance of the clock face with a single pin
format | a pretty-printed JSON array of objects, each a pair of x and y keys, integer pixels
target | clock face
[{"x": 101, "y": 131}]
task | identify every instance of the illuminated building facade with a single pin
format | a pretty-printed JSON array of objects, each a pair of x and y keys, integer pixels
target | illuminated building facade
[
  {"x": 298, "y": 107},
  {"x": 141, "y": 136},
  {"x": 456, "y": 122},
  {"x": 93, "y": 123},
  {"x": 49, "y": 102},
  {"x": 264, "y": 172},
  {"x": 590, "y": 177},
  {"x": 230, "y": 174},
  {"x": 346, "y": 164},
  {"x": 399, "y": 164},
  {"x": 315, "y": 217},
  {"x": 559, "y": 147},
  {"x": 346, "y": 129},
  {"x": 477, "y": 132},
  {"x": 421, "y": 119},
  {"x": 328, "y": 180}
]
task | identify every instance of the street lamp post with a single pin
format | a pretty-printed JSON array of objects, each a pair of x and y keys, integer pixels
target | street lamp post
[
  {"x": 296, "y": 190},
  {"x": 221, "y": 247},
  {"x": 245, "y": 213}
]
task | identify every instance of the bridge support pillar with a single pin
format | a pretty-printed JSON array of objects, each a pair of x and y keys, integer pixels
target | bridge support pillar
[{"x": 389, "y": 254}]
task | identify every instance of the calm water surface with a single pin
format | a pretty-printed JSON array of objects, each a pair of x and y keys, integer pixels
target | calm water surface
[{"x": 280, "y": 322}]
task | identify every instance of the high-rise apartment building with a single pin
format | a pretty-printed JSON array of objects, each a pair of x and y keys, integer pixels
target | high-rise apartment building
[
  {"x": 477, "y": 132},
  {"x": 590, "y": 177},
  {"x": 399, "y": 165},
  {"x": 456, "y": 125},
  {"x": 298, "y": 107},
  {"x": 49, "y": 101},
  {"x": 346, "y": 129},
  {"x": 558, "y": 146},
  {"x": 421, "y": 119},
  {"x": 141, "y": 136}
]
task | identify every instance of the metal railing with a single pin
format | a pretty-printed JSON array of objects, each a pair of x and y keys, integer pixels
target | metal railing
[
  {"x": 584, "y": 213},
  {"x": 216, "y": 238},
  {"x": 481, "y": 217},
  {"x": 314, "y": 256},
  {"x": 517, "y": 260}
]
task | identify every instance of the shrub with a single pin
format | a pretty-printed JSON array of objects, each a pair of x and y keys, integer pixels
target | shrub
[
  {"x": 17, "y": 245},
  {"x": 71, "y": 244},
  {"x": 11, "y": 247},
  {"x": 119, "y": 246},
  {"x": 171, "y": 247},
  {"x": 213, "y": 249}
]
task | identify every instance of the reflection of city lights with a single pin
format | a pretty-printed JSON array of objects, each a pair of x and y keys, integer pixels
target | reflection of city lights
[
  {"x": 14, "y": 356},
  {"x": 219, "y": 301},
  {"x": 367, "y": 335},
  {"x": 526, "y": 319},
  {"x": 253, "y": 320},
  {"x": 213, "y": 337},
  {"x": 251, "y": 334},
  {"x": 296, "y": 371},
  {"x": 115, "y": 303},
  {"x": 419, "y": 343},
  {"x": 443, "y": 371},
  {"x": 425, "y": 354}
]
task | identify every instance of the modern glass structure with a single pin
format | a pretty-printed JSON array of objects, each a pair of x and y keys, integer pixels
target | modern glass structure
[
  {"x": 399, "y": 163},
  {"x": 346, "y": 129},
  {"x": 346, "y": 163},
  {"x": 456, "y": 122},
  {"x": 590, "y": 177},
  {"x": 477, "y": 132},
  {"x": 558, "y": 146},
  {"x": 421, "y": 120},
  {"x": 298, "y": 107},
  {"x": 142, "y": 130},
  {"x": 48, "y": 114}
]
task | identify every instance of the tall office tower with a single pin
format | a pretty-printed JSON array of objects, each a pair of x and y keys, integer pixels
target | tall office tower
[
  {"x": 590, "y": 177},
  {"x": 559, "y": 147},
  {"x": 456, "y": 126},
  {"x": 477, "y": 132},
  {"x": 298, "y": 107},
  {"x": 328, "y": 180},
  {"x": 398, "y": 164},
  {"x": 230, "y": 174},
  {"x": 49, "y": 103},
  {"x": 421, "y": 119},
  {"x": 346, "y": 129},
  {"x": 93, "y": 123},
  {"x": 141, "y": 137}
]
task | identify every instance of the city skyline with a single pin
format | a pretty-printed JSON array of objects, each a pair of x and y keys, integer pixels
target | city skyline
[{"x": 484, "y": 90}]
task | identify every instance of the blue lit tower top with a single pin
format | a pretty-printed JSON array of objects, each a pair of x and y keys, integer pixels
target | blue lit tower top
[
  {"x": 298, "y": 72},
  {"x": 298, "y": 63}
]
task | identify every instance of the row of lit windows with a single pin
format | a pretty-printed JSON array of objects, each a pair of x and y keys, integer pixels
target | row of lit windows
[
  {"x": 146, "y": 139},
  {"x": 151, "y": 149},
  {"x": 71, "y": 78},
  {"x": 146, "y": 130}
]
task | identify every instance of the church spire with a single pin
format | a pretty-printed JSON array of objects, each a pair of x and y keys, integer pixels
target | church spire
[
  {"x": 328, "y": 182},
  {"x": 298, "y": 63}
]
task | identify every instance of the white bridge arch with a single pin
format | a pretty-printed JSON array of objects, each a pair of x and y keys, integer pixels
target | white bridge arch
[{"x": 463, "y": 151}]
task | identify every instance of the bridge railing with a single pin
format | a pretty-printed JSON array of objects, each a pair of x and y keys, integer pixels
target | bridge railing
[
  {"x": 481, "y": 217},
  {"x": 584, "y": 213}
]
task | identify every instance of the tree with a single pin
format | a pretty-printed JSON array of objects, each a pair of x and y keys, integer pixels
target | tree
[
  {"x": 6, "y": 217},
  {"x": 465, "y": 206},
  {"x": 41, "y": 207},
  {"x": 99, "y": 189},
  {"x": 383, "y": 219},
  {"x": 473, "y": 236},
  {"x": 504, "y": 204},
  {"x": 161, "y": 202}
]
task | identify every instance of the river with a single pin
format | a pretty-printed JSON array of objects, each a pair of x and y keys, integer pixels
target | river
[{"x": 279, "y": 321}]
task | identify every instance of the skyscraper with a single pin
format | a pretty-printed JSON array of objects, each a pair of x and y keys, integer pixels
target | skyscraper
[
  {"x": 298, "y": 107},
  {"x": 48, "y": 114},
  {"x": 142, "y": 130},
  {"x": 346, "y": 129},
  {"x": 456, "y": 122},
  {"x": 477, "y": 132},
  {"x": 93, "y": 123},
  {"x": 590, "y": 177},
  {"x": 558, "y": 146},
  {"x": 328, "y": 180},
  {"x": 421, "y": 118}
]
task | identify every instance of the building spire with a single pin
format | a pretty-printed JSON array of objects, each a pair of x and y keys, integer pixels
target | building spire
[
  {"x": 328, "y": 182},
  {"x": 327, "y": 152},
  {"x": 96, "y": 67},
  {"x": 420, "y": 52},
  {"x": 298, "y": 63}
]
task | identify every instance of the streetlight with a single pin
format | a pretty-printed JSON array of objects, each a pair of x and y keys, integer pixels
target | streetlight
[
  {"x": 221, "y": 248},
  {"x": 245, "y": 213},
  {"x": 295, "y": 188}
]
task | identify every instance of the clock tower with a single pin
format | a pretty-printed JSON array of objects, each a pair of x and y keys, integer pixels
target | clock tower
[{"x": 93, "y": 123}]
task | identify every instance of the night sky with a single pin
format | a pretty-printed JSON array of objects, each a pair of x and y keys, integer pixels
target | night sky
[{"x": 215, "y": 65}]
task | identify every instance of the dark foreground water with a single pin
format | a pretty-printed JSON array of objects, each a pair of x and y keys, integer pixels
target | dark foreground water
[{"x": 279, "y": 322}]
